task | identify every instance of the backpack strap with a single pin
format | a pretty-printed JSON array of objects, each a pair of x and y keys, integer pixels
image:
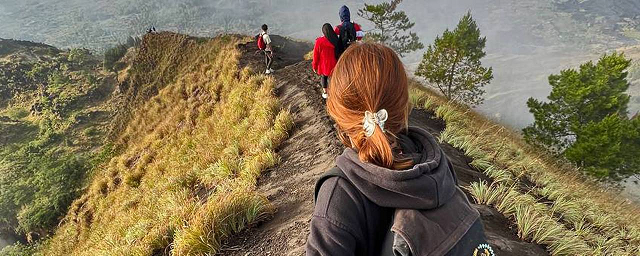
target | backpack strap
[{"x": 333, "y": 172}]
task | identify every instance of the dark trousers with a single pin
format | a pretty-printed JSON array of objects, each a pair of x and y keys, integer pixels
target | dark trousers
[
  {"x": 324, "y": 81},
  {"x": 268, "y": 58}
]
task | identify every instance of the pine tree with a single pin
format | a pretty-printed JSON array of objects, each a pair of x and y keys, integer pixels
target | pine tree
[
  {"x": 452, "y": 64},
  {"x": 586, "y": 119},
  {"x": 391, "y": 27}
]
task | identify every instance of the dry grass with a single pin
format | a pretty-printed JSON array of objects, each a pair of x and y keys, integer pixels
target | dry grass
[
  {"x": 185, "y": 177},
  {"x": 550, "y": 202},
  {"x": 308, "y": 56}
]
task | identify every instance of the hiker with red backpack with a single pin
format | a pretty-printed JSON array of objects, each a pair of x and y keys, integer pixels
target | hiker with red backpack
[
  {"x": 264, "y": 44},
  {"x": 393, "y": 190},
  {"x": 325, "y": 55},
  {"x": 348, "y": 32}
]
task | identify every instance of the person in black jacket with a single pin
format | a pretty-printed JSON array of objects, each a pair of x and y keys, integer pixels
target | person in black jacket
[{"x": 394, "y": 192}]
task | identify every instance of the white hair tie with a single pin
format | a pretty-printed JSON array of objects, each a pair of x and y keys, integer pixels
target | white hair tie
[{"x": 371, "y": 119}]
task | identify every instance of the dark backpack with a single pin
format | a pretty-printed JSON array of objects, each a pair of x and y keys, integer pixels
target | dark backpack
[
  {"x": 260, "y": 40},
  {"x": 347, "y": 34}
]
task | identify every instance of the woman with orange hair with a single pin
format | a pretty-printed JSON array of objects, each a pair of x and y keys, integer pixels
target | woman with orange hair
[{"x": 393, "y": 191}]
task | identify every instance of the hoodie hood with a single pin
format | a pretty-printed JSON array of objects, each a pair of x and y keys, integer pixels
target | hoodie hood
[
  {"x": 344, "y": 13},
  {"x": 429, "y": 184}
]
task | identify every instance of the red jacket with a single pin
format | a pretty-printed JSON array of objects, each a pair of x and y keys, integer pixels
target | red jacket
[
  {"x": 324, "y": 57},
  {"x": 359, "y": 32}
]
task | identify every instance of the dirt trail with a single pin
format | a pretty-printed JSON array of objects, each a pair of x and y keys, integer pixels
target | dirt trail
[{"x": 311, "y": 149}]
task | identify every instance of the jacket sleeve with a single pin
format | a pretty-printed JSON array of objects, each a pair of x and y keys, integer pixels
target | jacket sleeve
[
  {"x": 328, "y": 237},
  {"x": 359, "y": 32},
  {"x": 316, "y": 56}
]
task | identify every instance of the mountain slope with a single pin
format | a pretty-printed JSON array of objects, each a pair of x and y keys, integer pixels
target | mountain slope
[
  {"x": 200, "y": 130},
  {"x": 55, "y": 111}
]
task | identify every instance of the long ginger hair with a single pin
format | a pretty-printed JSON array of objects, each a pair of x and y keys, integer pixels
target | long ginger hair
[{"x": 370, "y": 77}]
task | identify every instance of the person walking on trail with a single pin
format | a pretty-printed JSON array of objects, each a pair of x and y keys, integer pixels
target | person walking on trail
[
  {"x": 325, "y": 55},
  {"x": 393, "y": 191},
  {"x": 264, "y": 44},
  {"x": 348, "y": 32}
]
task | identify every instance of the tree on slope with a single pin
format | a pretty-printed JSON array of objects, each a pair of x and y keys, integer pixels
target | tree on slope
[
  {"x": 586, "y": 119},
  {"x": 391, "y": 27},
  {"x": 452, "y": 64}
]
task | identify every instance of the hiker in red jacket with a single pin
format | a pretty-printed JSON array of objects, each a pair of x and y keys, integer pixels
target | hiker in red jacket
[{"x": 325, "y": 55}]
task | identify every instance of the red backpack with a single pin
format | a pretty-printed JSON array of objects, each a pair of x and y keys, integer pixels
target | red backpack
[{"x": 261, "y": 44}]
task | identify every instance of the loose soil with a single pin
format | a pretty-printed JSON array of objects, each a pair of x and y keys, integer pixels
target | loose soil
[{"x": 312, "y": 148}]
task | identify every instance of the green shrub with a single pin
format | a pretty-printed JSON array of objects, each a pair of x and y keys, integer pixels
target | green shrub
[
  {"x": 113, "y": 55},
  {"x": 38, "y": 187},
  {"x": 16, "y": 113},
  {"x": 79, "y": 56},
  {"x": 585, "y": 119},
  {"x": 18, "y": 249},
  {"x": 91, "y": 131}
]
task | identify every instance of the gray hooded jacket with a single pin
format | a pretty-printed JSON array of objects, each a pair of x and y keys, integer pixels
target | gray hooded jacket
[{"x": 427, "y": 212}]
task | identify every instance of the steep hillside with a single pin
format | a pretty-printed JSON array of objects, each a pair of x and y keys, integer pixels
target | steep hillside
[
  {"x": 200, "y": 130},
  {"x": 548, "y": 201},
  {"x": 55, "y": 111},
  {"x": 526, "y": 39}
]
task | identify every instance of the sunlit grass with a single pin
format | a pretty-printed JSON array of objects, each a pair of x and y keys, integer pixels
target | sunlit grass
[
  {"x": 186, "y": 176},
  {"x": 308, "y": 56},
  {"x": 217, "y": 219}
]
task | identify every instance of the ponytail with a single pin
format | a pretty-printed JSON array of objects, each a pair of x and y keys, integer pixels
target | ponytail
[{"x": 377, "y": 149}]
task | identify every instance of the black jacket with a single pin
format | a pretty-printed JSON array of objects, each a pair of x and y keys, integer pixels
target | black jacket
[{"x": 427, "y": 212}]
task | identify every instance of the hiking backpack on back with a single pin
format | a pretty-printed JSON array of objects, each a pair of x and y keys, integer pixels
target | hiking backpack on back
[
  {"x": 347, "y": 34},
  {"x": 261, "y": 44}
]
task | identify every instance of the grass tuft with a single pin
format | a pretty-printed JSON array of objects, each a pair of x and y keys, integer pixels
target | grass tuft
[{"x": 218, "y": 219}]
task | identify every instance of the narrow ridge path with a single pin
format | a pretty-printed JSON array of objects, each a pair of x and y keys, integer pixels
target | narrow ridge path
[{"x": 311, "y": 149}]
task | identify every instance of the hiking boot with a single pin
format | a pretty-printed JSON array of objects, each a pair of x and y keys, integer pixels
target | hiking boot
[{"x": 268, "y": 71}]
